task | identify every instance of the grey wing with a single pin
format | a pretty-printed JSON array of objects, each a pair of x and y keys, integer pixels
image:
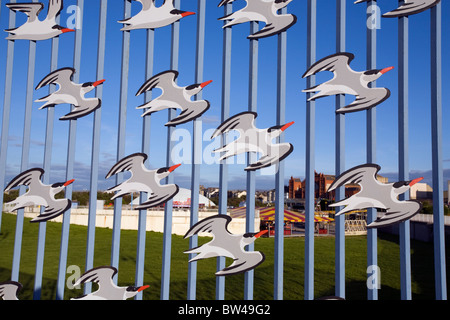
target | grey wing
[
  {"x": 191, "y": 111},
  {"x": 224, "y": 2},
  {"x": 131, "y": 163},
  {"x": 62, "y": 77},
  {"x": 398, "y": 212},
  {"x": 159, "y": 196},
  {"x": 268, "y": 160},
  {"x": 364, "y": 175},
  {"x": 409, "y": 7},
  {"x": 9, "y": 289},
  {"x": 30, "y": 178},
  {"x": 32, "y": 10},
  {"x": 164, "y": 80},
  {"x": 100, "y": 275},
  {"x": 54, "y": 8},
  {"x": 217, "y": 225},
  {"x": 241, "y": 122},
  {"x": 146, "y": 4},
  {"x": 54, "y": 209},
  {"x": 366, "y": 99},
  {"x": 336, "y": 63},
  {"x": 88, "y": 106},
  {"x": 248, "y": 261}
]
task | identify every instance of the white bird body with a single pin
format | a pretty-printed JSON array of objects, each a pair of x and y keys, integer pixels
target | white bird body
[
  {"x": 153, "y": 17},
  {"x": 70, "y": 93},
  {"x": 35, "y": 29},
  {"x": 225, "y": 244},
  {"x": 253, "y": 139}
]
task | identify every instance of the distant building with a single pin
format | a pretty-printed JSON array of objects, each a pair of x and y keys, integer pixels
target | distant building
[
  {"x": 421, "y": 191},
  {"x": 322, "y": 183}
]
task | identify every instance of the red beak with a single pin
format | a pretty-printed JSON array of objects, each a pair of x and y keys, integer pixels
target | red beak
[
  {"x": 204, "y": 84},
  {"x": 187, "y": 13},
  {"x": 99, "y": 82},
  {"x": 69, "y": 182},
  {"x": 67, "y": 30},
  {"x": 142, "y": 288},
  {"x": 383, "y": 71},
  {"x": 259, "y": 234},
  {"x": 172, "y": 168},
  {"x": 287, "y": 125},
  {"x": 413, "y": 182}
]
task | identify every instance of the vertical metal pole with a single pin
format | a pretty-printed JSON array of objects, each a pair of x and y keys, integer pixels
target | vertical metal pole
[
  {"x": 46, "y": 178},
  {"x": 70, "y": 166},
  {"x": 197, "y": 147},
  {"x": 340, "y": 161},
  {"x": 225, "y": 114},
  {"x": 96, "y": 145},
  {"x": 371, "y": 152},
  {"x": 25, "y": 157},
  {"x": 279, "y": 177},
  {"x": 6, "y": 107},
  {"x": 251, "y": 157},
  {"x": 310, "y": 156},
  {"x": 168, "y": 208},
  {"x": 121, "y": 137},
  {"x": 142, "y": 228},
  {"x": 403, "y": 161},
  {"x": 437, "y": 167}
]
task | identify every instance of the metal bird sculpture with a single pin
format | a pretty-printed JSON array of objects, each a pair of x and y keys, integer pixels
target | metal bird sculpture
[
  {"x": 9, "y": 290},
  {"x": 374, "y": 194},
  {"x": 175, "y": 97},
  {"x": 263, "y": 11},
  {"x": 252, "y": 139},
  {"x": 409, "y": 7},
  {"x": 348, "y": 81},
  {"x": 226, "y": 244},
  {"x": 143, "y": 180},
  {"x": 35, "y": 29},
  {"x": 107, "y": 289},
  {"x": 71, "y": 93},
  {"x": 152, "y": 17},
  {"x": 39, "y": 194}
]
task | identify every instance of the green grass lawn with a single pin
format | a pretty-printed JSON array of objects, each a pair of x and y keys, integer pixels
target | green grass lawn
[{"x": 388, "y": 258}]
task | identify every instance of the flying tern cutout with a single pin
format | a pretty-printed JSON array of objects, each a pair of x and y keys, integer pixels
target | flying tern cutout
[
  {"x": 174, "y": 97},
  {"x": 410, "y": 7},
  {"x": 35, "y": 29},
  {"x": 71, "y": 93},
  {"x": 153, "y": 17},
  {"x": 39, "y": 194},
  {"x": 143, "y": 180},
  {"x": 374, "y": 194},
  {"x": 9, "y": 290},
  {"x": 264, "y": 11},
  {"x": 226, "y": 244},
  {"x": 107, "y": 289},
  {"x": 252, "y": 139},
  {"x": 348, "y": 81}
]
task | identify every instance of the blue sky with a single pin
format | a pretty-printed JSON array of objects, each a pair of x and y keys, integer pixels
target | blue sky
[{"x": 387, "y": 145}]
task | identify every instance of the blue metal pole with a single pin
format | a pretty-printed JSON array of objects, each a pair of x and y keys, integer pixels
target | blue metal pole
[
  {"x": 251, "y": 157},
  {"x": 197, "y": 148},
  {"x": 372, "y": 260},
  {"x": 142, "y": 227},
  {"x": 46, "y": 178},
  {"x": 437, "y": 168},
  {"x": 121, "y": 137},
  {"x": 168, "y": 208},
  {"x": 6, "y": 106},
  {"x": 403, "y": 161},
  {"x": 310, "y": 156},
  {"x": 96, "y": 145},
  {"x": 25, "y": 157},
  {"x": 225, "y": 114},
  {"x": 340, "y": 161},
  {"x": 70, "y": 167},
  {"x": 279, "y": 177}
]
